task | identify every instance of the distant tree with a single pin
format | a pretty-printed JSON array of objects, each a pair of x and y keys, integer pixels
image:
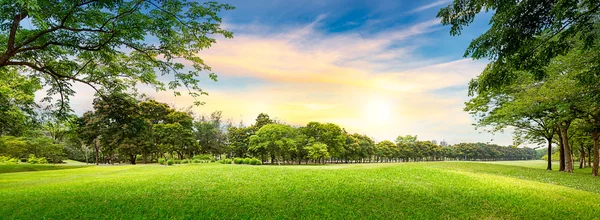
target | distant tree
[
  {"x": 329, "y": 134},
  {"x": 275, "y": 139},
  {"x": 317, "y": 151}
]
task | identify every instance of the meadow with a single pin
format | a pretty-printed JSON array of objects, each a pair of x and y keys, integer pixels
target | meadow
[{"x": 429, "y": 190}]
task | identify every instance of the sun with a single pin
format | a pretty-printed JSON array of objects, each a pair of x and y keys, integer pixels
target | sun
[{"x": 378, "y": 110}]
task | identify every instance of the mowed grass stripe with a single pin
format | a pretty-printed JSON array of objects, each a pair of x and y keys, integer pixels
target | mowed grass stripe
[{"x": 410, "y": 190}]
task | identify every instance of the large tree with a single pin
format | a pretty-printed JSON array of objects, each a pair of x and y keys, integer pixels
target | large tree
[
  {"x": 523, "y": 35},
  {"x": 108, "y": 44}
]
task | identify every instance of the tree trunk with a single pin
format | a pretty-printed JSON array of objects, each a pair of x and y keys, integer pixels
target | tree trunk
[
  {"x": 581, "y": 157},
  {"x": 561, "y": 151},
  {"x": 97, "y": 152},
  {"x": 595, "y": 165},
  {"x": 132, "y": 159},
  {"x": 549, "y": 154},
  {"x": 589, "y": 157},
  {"x": 565, "y": 136}
]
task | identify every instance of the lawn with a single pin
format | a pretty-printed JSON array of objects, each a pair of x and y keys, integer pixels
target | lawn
[{"x": 437, "y": 190}]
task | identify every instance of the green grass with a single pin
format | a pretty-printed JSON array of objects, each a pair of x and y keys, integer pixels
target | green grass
[
  {"x": 15, "y": 168},
  {"x": 356, "y": 191}
]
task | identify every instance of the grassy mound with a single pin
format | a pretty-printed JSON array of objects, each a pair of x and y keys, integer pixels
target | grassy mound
[{"x": 410, "y": 190}]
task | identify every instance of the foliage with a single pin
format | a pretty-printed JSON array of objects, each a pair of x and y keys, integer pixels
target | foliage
[
  {"x": 255, "y": 161},
  {"x": 17, "y": 102},
  {"x": 238, "y": 160},
  {"x": 317, "y": 151},
  {"x": 104, "y": 44},
  {"x": 275, "y": 139},
  {"x": 246, "y": 160},
  {"x": 170, "y": 162},
  {"x": 225, "y": 161},
  {"x": 162, "y": 161}
]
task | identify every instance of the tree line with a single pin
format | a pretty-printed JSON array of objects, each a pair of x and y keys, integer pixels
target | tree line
[{"x": 122, "y": 128}]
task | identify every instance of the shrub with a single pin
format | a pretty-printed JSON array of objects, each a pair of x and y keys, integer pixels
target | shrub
[
  {"x": 170, "y": 162},
  {"x": 246, "y": 160},
  {"x": 177, "y": 161},
  {"x": 225, "y": 161},
  {"x": 13, "y": 160},
  {"x": 212, "y": 160},
  {"x": 185, "y": 161},
  {"x": 255, "y": 161},
  {"x": 203, "y": 157},
  {"x": 42, "y": 160},
  {"x": 32, "y": 159},
  {"x": 161, "y": 161},
  {"x": 4, "y": 159},
  {"x": 238, "y": 160},
  {"x": 196, "y": 161}
]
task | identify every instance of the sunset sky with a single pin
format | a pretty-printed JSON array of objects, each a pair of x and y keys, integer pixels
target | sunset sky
[{"x": 381, "y": 68}]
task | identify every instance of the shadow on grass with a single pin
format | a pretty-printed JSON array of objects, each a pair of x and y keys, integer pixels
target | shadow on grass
[{"x": 15, "y": 168}]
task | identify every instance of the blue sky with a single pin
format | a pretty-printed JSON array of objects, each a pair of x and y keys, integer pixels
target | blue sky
[{"x": 381, "y": 68}]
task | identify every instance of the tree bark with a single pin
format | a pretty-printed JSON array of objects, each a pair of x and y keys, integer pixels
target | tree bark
[
  {"x": 581, "y": 157},
  {"x": 97, "y": 151},
  {"x": 549, "y": 167},
  {"x": 565, "y": 136},
  {"x": 595, "y": 165},
  {"x": 561, "y": 151},
  {"x": 132, "y": 159},
  {"x": 589, "y": 157}
]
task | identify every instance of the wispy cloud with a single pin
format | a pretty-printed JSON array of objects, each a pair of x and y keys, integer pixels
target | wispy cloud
[{"x": 429, "y": 6}]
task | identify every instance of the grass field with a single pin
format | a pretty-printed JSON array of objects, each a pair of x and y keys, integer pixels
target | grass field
[{"x": 440, "y": 190}]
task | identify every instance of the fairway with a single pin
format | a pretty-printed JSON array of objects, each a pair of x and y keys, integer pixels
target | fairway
[{"x": 437, "y": 190}]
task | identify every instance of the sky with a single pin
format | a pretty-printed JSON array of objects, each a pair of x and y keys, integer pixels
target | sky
[{"x": 379, "y": 67}]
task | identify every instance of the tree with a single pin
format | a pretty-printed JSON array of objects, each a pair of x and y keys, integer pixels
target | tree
[
  {"x": 17, "y": 102},
  {"x": 317, "y": 151},
  {"x": 329, "y": 134},
  {"x": 523, "y": 35},
  {"x": 89, "y": 128},
  {"x": 108, "y": 45},
  {"x": 122, "y": 124},
  {"x": 275, "y": 139},
  {"x": 239, "y": 140}
]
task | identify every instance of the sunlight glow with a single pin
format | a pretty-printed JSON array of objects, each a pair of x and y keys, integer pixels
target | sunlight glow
[{"x": 378, "y": 110}]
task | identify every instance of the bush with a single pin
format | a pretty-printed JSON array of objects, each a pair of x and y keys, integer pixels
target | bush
[
  {"x": 4, "y": 159},
  {"x": 196, "y": 161},
  {"x": 42, "y": 160},
  {"x": 246, "y": 160},
  {"x": 32, "y": 159},
  {"x": 186, "y": 161},
  {"x": 238, "y": 160},
  {"x": 225, "y": 161},
  {"x": 161, "y": 161},
  {"x": 255, "y": 161},
  {"x": 177, "y": 161},
  {"x": 13, "y": 160},
  {"x": 212, "y": 160},
  {"x": 170, "y": 162}
]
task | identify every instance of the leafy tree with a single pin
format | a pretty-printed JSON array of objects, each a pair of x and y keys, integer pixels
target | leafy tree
[
  {"x": 275, "y": 139},
  {"x": 317, "y": 151},
  {"x": 108, "y": 45},
  {"x": 329, "y": 134},
  {"x": 523, "y": 35},
  {"x": 17, "y": 102}
]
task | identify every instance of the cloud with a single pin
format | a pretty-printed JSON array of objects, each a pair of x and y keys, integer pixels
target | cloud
[{"x": 428, "y": 6}]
